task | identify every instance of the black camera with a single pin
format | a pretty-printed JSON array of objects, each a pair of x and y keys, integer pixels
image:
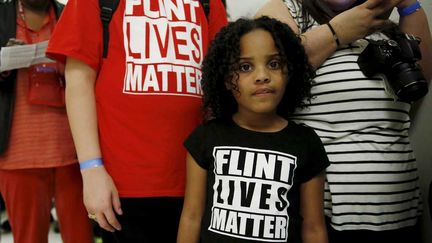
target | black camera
[{"x": 396, "y": 58}]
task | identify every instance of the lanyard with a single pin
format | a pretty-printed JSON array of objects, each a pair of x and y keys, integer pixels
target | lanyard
[
  {"x": 26, "y": 29},
  {"x": 52, "y": 20}
]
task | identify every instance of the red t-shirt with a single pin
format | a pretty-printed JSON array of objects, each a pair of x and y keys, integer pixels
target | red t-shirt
[{"x": 147, "y": 91}]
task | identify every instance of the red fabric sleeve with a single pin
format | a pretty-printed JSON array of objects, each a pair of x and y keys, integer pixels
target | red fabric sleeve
[{"x": 78, "y": 34}]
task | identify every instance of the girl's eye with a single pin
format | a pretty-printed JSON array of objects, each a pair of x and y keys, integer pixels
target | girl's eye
[
  {"x": 245, "y": 67},
  {"x": 275, "y": 64}
]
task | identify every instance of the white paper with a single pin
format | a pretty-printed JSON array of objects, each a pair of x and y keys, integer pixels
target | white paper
[{"x": 22, "y": 56}]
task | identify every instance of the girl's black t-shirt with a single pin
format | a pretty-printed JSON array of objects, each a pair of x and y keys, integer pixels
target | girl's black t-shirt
[{"x": 254, "y": 178}]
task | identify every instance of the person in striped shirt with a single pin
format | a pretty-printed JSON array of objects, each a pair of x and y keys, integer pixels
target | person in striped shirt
[{"x": 372, "y": 191}]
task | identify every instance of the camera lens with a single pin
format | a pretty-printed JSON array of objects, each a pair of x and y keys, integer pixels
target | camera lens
[
  {"x": 409, "y": 84},
  {"x": 413, "y": 91}
]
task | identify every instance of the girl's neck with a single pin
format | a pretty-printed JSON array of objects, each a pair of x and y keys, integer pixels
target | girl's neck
[{"x": 260, "y": 122}]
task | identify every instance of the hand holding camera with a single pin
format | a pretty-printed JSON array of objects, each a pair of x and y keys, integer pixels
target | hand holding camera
[
  {"x": 396, "y": 58},
  {"x": 364, "y": 19}
]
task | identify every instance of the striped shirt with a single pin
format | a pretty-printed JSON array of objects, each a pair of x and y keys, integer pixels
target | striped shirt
[{"x": 372, "y": 182}]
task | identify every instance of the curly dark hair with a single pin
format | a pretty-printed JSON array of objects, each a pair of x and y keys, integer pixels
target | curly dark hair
[{"x": 221, "y": 66}]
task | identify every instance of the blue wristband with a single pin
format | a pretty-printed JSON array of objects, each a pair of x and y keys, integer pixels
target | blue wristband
[
  {"x": 91, "y": 163},
  {"x": 409, "y": 9}
]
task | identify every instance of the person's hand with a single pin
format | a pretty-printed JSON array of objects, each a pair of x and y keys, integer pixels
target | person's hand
[
  {"x": 101, "y": 198},
  {"x": 14, "y": 42},
  {"x": 362, "y": 20},
  {"x": 11, "y": 42}
]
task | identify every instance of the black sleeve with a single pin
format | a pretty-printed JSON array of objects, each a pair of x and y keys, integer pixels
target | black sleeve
[
  {"x": 317, "y": 159},
  {"x": 196, "y": 144}
]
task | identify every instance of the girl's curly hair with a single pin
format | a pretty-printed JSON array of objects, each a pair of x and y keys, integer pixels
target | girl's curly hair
[{"x": 220, "y": 66}]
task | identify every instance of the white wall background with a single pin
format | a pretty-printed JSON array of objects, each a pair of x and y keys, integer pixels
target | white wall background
[
  {"x": 422, "y": 143},
  {"x": 242, "y": 8},
  {"x": 422, "y": 124}
]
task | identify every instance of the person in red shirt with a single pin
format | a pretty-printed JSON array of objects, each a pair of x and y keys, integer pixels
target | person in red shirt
[
  {"x": 38, "y": 162},
  {"x": 130, "y": 112}
]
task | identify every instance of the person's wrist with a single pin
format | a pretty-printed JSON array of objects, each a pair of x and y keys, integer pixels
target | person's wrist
[
  {"x": 333, "y": 27},
  {"x": 408, "y": 7},
  {"x": 335, "y": 36},
  {"x": 405, "y": 3},
  {"x": 90, "y": 163}
]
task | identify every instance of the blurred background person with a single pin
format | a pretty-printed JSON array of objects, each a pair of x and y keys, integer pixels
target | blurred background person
[{"x": 38, "y": 161}]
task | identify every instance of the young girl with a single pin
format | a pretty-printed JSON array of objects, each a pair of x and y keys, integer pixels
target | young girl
[{"x": 254, "y": 176}]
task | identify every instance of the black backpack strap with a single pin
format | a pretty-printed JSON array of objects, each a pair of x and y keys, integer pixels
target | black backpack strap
[
  {"x": 206, "y": 6},
  {"x": 107, "y": 9},
  {"x": 58, "y": 7}
]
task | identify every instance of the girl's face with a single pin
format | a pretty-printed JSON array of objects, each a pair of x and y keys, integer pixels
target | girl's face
[
  {"x": 339, "y": 5},
  {"x": 262, "y": 80}
]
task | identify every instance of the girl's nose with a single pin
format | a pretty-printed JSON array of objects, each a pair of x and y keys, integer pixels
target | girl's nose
[{"x": 262, "y": 75}]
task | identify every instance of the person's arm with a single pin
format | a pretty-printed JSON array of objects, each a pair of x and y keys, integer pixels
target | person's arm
[
  {"x": 417, "y": 25},
  {"x": 194, "y": 202},
  {"x": 318, "y": 42},
  {"x": 349, "y": 26},
  {"x": 100, "y": 193},
  {"x": 312, "y": 210}
]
